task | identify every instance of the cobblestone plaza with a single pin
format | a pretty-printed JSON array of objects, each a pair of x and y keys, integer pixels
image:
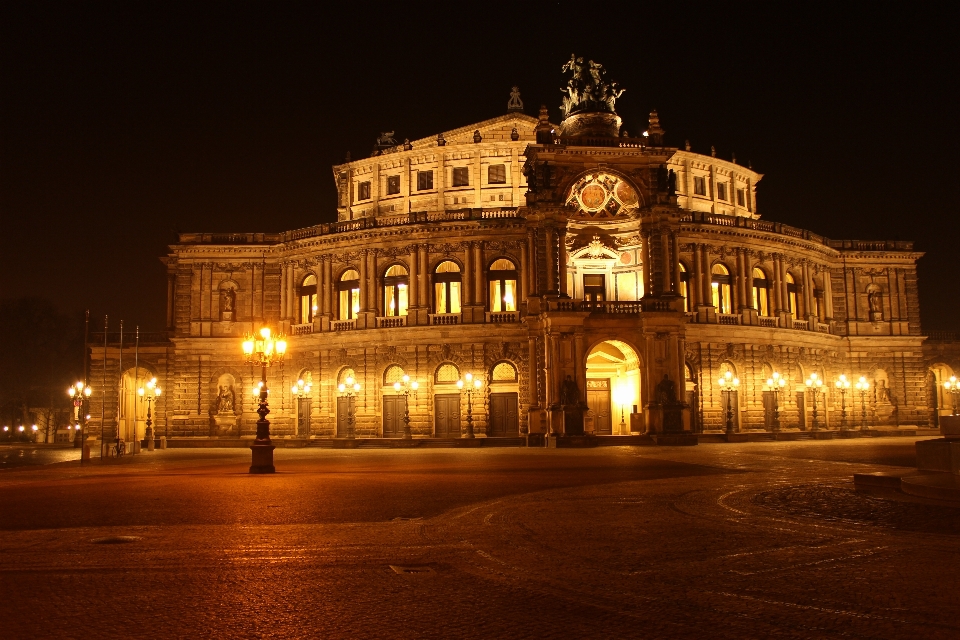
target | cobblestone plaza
[{"x": 751, "y": 540}]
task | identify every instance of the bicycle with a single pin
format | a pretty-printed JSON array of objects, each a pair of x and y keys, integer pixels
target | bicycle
[{"x": 120, "y": 448}]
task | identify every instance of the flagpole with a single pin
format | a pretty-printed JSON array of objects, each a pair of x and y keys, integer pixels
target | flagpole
[{"x": 103, "y": 390}]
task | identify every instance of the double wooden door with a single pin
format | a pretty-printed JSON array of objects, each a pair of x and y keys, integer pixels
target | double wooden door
[
  {"x": 303, "y": 418},
  {"x": 598, "y": 399},
  {"x": 343, "y": 410},
  {"x": 447, "y": 415},
  {"x": 394, "y": 408},
  {"x": 504, "y": 419}
]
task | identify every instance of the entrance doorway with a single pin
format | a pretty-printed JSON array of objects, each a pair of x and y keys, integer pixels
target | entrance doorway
[
  {"x": 504, "y": 420},
  {"x": 594, "y": 287},
  {"x": 447, "y": 415},
  {"x": 303, "y": 417},
  {"x": 394, "y": 408},
  {"x": 613, "y": 387},
  {"x": 343, "y": 411}
]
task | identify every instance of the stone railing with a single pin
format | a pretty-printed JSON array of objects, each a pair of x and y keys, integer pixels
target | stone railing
[
  {"x": 769, "y": 321},
  {"x": 391, "y": 322},
  {"x": 744, "y": 222},
  {"x": 728, "y": 318},
  {"x": 823, "y": 327},
  {"x": 444, "y": 318},
  {"x": 800, "y": 325},
  {"x": 499, "y": 317},
  {"x": 945, "y": 336},
  {"x": 301, "y": 329},
  {"x": 343, "y": 325}
]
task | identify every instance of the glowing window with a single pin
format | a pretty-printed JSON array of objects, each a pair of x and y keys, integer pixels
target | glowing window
[
  {"x": 720, "y": 284},
  {"x": 504, "y": 372},
  {"x": 308, "y": 299},
  {"x": 396, "y": 285},
  {"x": 502, "y": 279},
  {"x": 497, "y": 174},
  {"x": 394, "y": 373},
  {"x": 349, "y": 290},
  {"x": 446, "y": 287},
  {"x": 761, "y": 292},
  {"x": 447, "y": 373}
]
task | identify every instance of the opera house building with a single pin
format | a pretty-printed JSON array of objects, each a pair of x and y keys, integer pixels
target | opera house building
[{"x": 531, "y": 280}]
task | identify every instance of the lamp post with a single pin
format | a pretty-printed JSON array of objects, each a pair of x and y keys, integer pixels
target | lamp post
[
  {"x": 300, "y": 391},
  {"x": 404, "y": 388},
  {"x": 776, "y": 383},
  {"x": 953, "y": 386},
  {"x": 263, "y": 349},
  {"x": 862, "y": 387},
  {"x": 728, "y": 386},
  {"x": 79, "y": 392},
  {"x": 348, "y": 389},
  {"x": 34, "y": 429},
  {"x": 149, "y": 392},
  {"x": 472, "y": 385},
  {"x": 842, "y": 385},
  {"x": 814, "y": 384}
]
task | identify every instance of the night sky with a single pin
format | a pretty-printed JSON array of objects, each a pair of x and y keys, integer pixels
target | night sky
[{"x": 123, "y": 124}]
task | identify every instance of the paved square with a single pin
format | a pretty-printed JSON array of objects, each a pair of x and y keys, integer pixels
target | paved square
[{"x": 722, "y": 540}]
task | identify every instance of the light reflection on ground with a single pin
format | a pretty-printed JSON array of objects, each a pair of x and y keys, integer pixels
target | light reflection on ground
[{"x": 24, "y": 455}]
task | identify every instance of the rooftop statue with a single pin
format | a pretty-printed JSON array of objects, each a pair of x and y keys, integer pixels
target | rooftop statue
[{"x": 587, "y": 89}]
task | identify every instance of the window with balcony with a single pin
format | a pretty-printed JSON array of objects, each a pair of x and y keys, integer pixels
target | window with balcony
[
  {"x": 461, "y": 176},
  {"x": 396, "y": 284},
  {"x": 424, "y": 180},
  {"x": 720, "y": 285},
  {"x": 363, "y": 191},
  {"x": 446, "y": 287},
  {"x": 684, "y": 287},
  {"x": 761, "y": 292},
  {"x": 594, "y": 287},
  {"x": 792, "y": 289},
  {"x": 699, "y": 186},
  {"x": 348, "y": 289},
  {"x": 393, "y": 185},
  {"x": 497, "y": 174},
  {"x": 502, "y": 279},
  {"x": 308, "y": 299}
]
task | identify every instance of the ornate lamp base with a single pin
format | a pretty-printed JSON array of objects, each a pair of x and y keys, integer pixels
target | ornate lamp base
[{"x": 262, "y": 459}]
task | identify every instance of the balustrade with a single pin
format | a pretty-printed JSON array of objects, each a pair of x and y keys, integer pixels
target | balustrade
[
  {"x": 728, "y": 318},
  {"x": 502, "y": 317},
  {"x": 444, "y": 318},
  {"x": 391, "y": 322},
  {"x": 772, "y": 323},
  {"x": 343, "y": 325},
  {"x": 301, "y": 329}
]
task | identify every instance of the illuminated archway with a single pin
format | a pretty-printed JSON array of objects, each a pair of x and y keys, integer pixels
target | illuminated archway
[{"x": 613, "y": 386}]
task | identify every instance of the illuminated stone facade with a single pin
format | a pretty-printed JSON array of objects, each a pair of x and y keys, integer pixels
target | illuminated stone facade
[{"x": 595, "y": 282}]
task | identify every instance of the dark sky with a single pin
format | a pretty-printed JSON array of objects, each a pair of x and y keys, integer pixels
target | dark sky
[{"x": 122, "y": 124}]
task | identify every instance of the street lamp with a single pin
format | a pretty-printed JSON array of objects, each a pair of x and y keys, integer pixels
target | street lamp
[
  {"x": 34, "y": 429},
  {"x": 862, "y": 387},
  {"x": 149, "y": 393},
  {"x": 776, "y": 383},
  {"x": 348, "y": 389},
  {"x": 404, "y": 388},
  {"x": 300, "y": 391},
  {"x": 79, "y": 392},
  {"x": 472, "y": 385},
  {"x": 953, "y": 386},
  {"x": 814, "y": 384},
  {"x": 842, "y": 385},
  {"x": 263, "y": 349},
  {"x": 728, "y": 387}
]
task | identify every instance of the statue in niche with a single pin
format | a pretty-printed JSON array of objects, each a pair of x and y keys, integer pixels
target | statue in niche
[
  {"x": 225, "y": 399},
  {"x": 569, "y": 392},
  {"x": 666, "y": 391},
  {"x": 228, "y": 301},
  {"x": 883, "y": 392},
  {"x": 875, "y": 302}
]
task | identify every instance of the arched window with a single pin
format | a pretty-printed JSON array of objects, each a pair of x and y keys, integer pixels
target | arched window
[
  {"x": 395, "y": 287},
  {"x": 504, "y": 372},
  {"x": 791, "y": 295},
  {"x": 308, "y": 299},
  {"x": 447, "y": 374},
  {"x": 503, "y": 285},
  {"x": 446, "y": 287},
  {"x": 721, "y": 289},
  {"x": 349, "y": 289},
  {"x": 761, "y": 292},
  {"x": 684, "y": 287},
  {"x": 394, "y": 373}
]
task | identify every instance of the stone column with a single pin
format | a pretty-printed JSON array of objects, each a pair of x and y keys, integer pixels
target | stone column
[
  {"x": 551, "y": 256},
  {"x": 807, "y": 292},
  {"x": 523, "y": 289},
  {"x": 694, "y": 286},
  {"x": 532, "y": 265},
  {"x": 748, "y": 279},
  {"x": 562, "y": 260},
  {"x": 413, "y": 274},
  {"x": 424, "y": 276},
  {"x": 467, "y": 275},
  {"x": 363, "y": 281},
  {"x": 741, "y": 298},
  {"x": 479, "y": 297},
  {"x": 827, "y": 294},
  {"x": 775, "y": 289},
  {"x": 675, "y": 265},
  {"x": 667, "y": 271},
  {"x": 372, "y": 276},
  {"x": 706, "y": 277},
  {"x": 646, "y": 258}
]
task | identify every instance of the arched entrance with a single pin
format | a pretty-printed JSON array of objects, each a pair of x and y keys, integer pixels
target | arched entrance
[
  {"x": 132, "y": 419},
  {"x": 613, "y": 387}
]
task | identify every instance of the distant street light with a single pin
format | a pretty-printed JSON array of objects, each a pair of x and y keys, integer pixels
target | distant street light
[
  {"x": 263, "y": 349},
  {"x": 842, "y": 385},
  {"x": 728, "y": 387},
  {"x": 953, "y": 386},
  {"x": 814, "y": 384},
  {"x": 776, "y": 383},
  {"x": 472, "y": 385},
  {"x": 348, "y": 389},
  {"x": 79, "y": 392},
  {"x": 149, "y": 393},
  {"x": 404, "y": 388}
]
